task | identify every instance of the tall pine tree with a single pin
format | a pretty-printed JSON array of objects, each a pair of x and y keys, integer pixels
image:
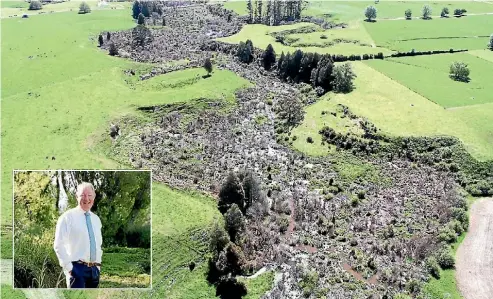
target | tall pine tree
[
  {"x": 259, "y": 9},
  {"x": 268, "y": 13},
  {"x": 269, "y": 57},
  {"x": 255, "y": 12},
  {"x": 136, "y": 9},
  {"x": 250, "y": 11}
]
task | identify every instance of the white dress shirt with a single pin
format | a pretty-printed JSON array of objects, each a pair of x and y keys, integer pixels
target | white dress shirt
[{"x": 72, "y": 238}]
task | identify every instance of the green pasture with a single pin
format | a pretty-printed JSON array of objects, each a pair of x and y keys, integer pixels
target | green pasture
[
  {"x": 52, "y": 105},
  {"x": 259, "y": 35},
  {"x": 397, "y": 111},
  {"x": 428, "y": 75},
  {"x": 484, "y": 54},
  {"x": 437, "y": 34},
  {"x": 11, "y": 8},
  {"x": 344, "y": 11},
  {"x": 354, "y": 32}
]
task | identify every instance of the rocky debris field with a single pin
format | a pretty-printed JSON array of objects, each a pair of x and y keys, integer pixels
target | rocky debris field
[{"x": 324, "y": 234}]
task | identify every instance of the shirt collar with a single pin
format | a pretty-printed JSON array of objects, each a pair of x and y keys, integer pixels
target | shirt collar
[{"x": 82, "y": 211}]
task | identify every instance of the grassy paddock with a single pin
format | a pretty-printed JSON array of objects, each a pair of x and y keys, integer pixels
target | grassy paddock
[
  {"x": 60, "y": 109},
  {"x": 11, "y": 8},
  {"x": 429, "y": 76},
  {"x": 398, "y": 111},
  {"x": 259, "y": 35},
  {"x": 344, "y": 11},
  {"x": 438, "y": 34}
]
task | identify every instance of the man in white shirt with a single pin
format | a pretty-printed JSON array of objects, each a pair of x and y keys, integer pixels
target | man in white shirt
[{"x": 78, "y": 241}]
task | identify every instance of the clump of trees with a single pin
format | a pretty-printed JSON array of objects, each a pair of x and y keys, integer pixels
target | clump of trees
[
  {"x": 240, "y": 198},
  {"x": 426, "y": 12},
  {"x": 490, "y": 44},
  {"x": 309, "y": 68},
  {"x": 147, "y": 8},
  {"x": 35, "y": 5},
  {"x": 276, "y": 11},
  {"x": 444, "y": 13},
  {"x": 208, "y": 66},
  {"x": 370, "y": 13},
  {"x": 459, "y": 71},
  {"x": 408, "y": 14},
  {"x": 245, "y": 51},
  {"x": 84, "y": 8}
]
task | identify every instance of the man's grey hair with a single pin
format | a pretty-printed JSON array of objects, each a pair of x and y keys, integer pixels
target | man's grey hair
[{"x": 81, "y": 187}]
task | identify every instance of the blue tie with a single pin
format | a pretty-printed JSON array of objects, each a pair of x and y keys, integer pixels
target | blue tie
[{"x": 92, "y": 242}]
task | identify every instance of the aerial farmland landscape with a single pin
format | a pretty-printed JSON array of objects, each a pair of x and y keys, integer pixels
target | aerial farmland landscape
[{"x": 299, "y": 149}]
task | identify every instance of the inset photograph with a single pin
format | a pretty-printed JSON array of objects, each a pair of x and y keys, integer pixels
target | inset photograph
[{"x": 82, "y": 229}]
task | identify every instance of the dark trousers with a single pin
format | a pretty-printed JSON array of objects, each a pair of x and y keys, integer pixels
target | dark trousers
[{"x": 83, "y": 276}]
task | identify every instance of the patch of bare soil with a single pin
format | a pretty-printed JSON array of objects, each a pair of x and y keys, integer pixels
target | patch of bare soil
[{"x": 475, "y": 255}]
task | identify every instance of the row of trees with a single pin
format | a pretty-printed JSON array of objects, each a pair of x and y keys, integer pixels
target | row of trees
[
  {"x": 371, "y": 13},
  {"x": 146, "y": 8},
  {"x": 275, "y": 11},
  {"x": 302, "y": 67}
]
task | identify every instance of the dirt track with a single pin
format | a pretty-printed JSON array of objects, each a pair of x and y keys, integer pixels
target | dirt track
[{"x": 475, "y": 255}]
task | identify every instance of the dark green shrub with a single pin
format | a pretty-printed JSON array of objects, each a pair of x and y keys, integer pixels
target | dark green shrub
[
  {"x": 445, "y": 259},
  {"x": 433, "y": 267}
]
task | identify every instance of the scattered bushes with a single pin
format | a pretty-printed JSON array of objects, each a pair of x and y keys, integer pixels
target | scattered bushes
[
  {"x": 308, "y": 283},
  {"x": 459, "y": 71},
  {"x": 35, "y": 5}
]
